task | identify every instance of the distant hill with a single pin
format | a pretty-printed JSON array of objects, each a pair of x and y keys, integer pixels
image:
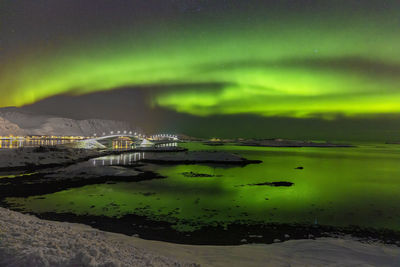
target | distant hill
[{"x": 17, "y": 121}]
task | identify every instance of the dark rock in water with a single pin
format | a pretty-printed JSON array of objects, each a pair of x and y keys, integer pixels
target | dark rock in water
[
  {"x": 194, "y": 174},
  {"x": 213, "y": 143},
  {"x": 197, "y": 157},
  {"x": 299, "y": 168},
  {"x": 274, "y": 184},
  {"x": 146, "y": 194}
]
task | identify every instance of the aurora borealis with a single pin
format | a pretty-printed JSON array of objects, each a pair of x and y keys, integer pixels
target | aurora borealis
[{"x": 291, "y": 59}]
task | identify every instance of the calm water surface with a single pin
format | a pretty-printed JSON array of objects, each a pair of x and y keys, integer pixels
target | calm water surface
[{"x": 338, "y": 186}]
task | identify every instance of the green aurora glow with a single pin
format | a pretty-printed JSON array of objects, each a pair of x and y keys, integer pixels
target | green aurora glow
[{"x": 293, "y": 65}]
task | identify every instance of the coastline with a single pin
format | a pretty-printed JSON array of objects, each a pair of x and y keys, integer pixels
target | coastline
[
  {"x": 221, "y": 242},
  {"x": 29, "y": 241}
]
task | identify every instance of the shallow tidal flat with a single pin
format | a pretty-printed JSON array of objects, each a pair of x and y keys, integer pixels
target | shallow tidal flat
[
  {"x": 293, "y": 193},
  {"x": 69, "y": 175}
]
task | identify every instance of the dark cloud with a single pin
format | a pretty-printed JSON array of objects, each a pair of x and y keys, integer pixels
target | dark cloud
[{"x": 131, "y": 104}]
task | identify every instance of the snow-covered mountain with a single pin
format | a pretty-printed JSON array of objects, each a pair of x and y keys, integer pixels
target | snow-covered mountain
[
  {"x": 7, "y": 128},
  {"x": 17, "y": 121}
]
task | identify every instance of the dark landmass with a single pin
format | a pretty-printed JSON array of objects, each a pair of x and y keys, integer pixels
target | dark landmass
[
  {"x": 273, "y": 184},
  {"x": 194, "y": 174},
  {"x": 393, "y": 143},
  {"x": 193, "y": 157},
  {"x": 214, "y": 143},
  {"x": 286, "y": 143},
  {"x": 158, "y": 149},
  {"x": 277, "y": 184}
]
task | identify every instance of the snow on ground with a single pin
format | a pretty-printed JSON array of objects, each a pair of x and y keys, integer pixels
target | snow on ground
[
  {"x": 28, "y": 241},
  {"x": 86, "y": 144},
  {"x": 84, "y": 170},
  {"x": 22, "y": 157}
]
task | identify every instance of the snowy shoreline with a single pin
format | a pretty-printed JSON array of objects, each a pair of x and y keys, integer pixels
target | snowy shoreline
[
  {"x": 28, "y": 241},
  {"x": 43, "y": 157}
]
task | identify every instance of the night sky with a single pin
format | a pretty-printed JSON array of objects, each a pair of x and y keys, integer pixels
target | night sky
[{"x": 292, "y": 69}]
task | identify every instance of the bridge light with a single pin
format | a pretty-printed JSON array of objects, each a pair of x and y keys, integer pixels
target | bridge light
[{"x": 124, "y": 132}]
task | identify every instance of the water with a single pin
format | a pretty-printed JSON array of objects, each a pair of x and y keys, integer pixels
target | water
[
  {"x": 19, "y": 143},
  {"x": 338, "y": 186}
]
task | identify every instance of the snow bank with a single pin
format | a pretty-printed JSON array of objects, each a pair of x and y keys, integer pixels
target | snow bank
[
  {"x": 84, "y": 170},
  {"x": 23, "y": 157},
  {"x": 28, "y": 241}
]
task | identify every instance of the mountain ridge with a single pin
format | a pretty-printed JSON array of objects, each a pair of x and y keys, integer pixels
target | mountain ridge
[{"x": 17, "y": 121}]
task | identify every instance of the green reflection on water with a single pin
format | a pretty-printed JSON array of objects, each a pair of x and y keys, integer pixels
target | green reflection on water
[{"x": 338, "y": 186}]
